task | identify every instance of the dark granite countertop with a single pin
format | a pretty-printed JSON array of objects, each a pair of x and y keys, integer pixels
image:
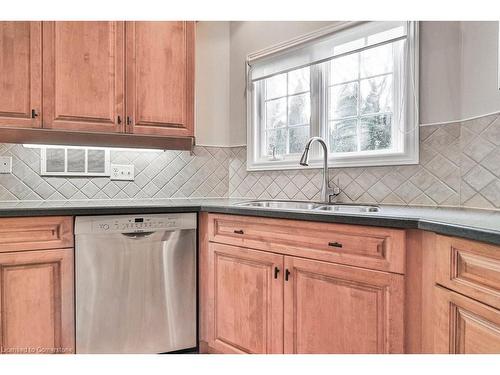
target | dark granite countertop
[{"x": 481, "y": 225}]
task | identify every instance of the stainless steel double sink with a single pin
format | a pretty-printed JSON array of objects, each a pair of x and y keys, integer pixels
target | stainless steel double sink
[{"x": 310, "y": 206}]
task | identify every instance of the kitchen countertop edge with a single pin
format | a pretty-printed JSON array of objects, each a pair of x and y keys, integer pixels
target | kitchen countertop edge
[{"x": 412, "y": 222}]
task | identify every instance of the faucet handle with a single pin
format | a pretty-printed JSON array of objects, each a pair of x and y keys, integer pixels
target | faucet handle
[
  {"x": 337, "y": 189},
  {"x": 334, "y": 190}
]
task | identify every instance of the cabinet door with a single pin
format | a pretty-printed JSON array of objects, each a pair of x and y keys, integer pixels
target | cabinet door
[
  {"x": 245, "y": 300},
  {"x": 160, "y": 78},
  {"x": 332, "y": 308},
  {"x": 20, "y": 74},
  {"x": 465, "y": 326},
  {"x": 83, "y": 76},
  {"x": 36, "y": 304}
]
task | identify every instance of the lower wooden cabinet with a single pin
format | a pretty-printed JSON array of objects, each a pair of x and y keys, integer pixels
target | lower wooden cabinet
[
  {"x": 36, "y": 302},
  {"x": 333, "y": 308},
  {"x": 263, "y": 302},
  {"x": 464, "y": 326},
  {"x": 245, "y": 297}
]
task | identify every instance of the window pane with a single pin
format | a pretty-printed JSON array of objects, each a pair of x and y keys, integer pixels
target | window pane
[
  {"x": 343, "y": 135},
  {"x": 343, "y": 100},
  {"x": 298, "y": 81},
  {"x": 299, "y": 109},
  {"x": 298, "y": 137},
  {"x": 344, "y": 69},
  {"x": 276, "y": 113},
  {"x": 276, "y": 139},
  {"x": 376, "y": 60},
  {"x": 276, "y": 86},
  {"x": 376, "y": 94},
  {"x": 376, "y": 132}
]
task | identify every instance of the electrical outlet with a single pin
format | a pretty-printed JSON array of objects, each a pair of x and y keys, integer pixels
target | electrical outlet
[
  {"x": 5, "y": 164},
  {"x": 122, "y": 172}
]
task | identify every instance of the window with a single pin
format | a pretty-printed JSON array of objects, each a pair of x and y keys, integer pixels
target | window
[
  {"x": 356, "y": 88},
  {"x": 287, "y": 113}
]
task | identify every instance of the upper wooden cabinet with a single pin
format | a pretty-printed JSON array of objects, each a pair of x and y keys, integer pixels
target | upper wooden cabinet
[
  {"x": 20, "y": 74},
  {"x": 160, "y": 78},
  {"x": 98, "y": 83},
  {"x": 83, "y": 76}
]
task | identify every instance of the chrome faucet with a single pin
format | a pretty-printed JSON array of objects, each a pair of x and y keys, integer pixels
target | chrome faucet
[{"x": 327, "y": 192}]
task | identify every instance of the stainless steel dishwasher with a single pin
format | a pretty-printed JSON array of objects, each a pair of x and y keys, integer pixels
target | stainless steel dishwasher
[{"x": 135, "y": 283}]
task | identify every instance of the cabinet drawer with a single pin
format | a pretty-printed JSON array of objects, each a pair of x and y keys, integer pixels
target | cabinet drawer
[
  {"x": 35, "y": 233},
  {"x": 469, "y": 267},
  {"x": 369, "y": 247}
]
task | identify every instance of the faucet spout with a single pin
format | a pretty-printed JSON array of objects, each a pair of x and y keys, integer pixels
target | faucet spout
[{"x": 326, "y": 190}]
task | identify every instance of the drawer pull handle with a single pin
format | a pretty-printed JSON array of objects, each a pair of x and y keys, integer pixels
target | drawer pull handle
[
  {"x": 335, "y": 244},
  {"x": 238, "y": 231}
]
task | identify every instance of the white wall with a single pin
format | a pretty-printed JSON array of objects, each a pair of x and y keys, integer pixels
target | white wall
[
  {"x": 212, "y": 84},
  {"x": 480, "y": 93},
  {"x": 248, "y": 37},
  {"x": 440, "y": 70},
  {"x": 458, "y": 72}
]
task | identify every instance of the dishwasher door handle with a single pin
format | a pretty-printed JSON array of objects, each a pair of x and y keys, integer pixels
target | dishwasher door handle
[{"x": 137, "y": 235}]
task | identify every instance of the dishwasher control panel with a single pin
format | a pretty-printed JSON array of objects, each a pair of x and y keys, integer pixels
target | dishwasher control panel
[
  {"x": 138, "y": 223},
  {"x": 133, "y": 224}
]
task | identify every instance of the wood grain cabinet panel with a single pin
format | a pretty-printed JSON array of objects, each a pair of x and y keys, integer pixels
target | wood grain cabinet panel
[
  {"x": 332, "y": 308},
  {"x": 469, "y": 267},
  {"x": 36, "y": 302},
  {"x": 160, "y": 78},
  {"x": 35, "y": 233},
  {"x": 245, "y": 300},
  {"x": 370, "y": 247},
  {"x": 465, "y": 326},
  {"x": 284, "y": 298},
  {"x": 83, "y": 76},
  {"x": 20, "y": 74}
]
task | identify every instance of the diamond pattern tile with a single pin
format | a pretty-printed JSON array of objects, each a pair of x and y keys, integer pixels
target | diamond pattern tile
[
  {"x": 480, "y": 163},
  {"x": 435, "y": 181},
  {"x": 459, "y": 166},
  {"x": 204, "y": 173}
]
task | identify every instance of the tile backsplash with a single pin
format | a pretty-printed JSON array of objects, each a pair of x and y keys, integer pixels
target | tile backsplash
[
  {"x": 435, "y": 181},
  {"x": 459, "y": 166},
  {"x": 169, "y": 174}
]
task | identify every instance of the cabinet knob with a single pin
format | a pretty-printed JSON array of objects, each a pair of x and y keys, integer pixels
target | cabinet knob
[
  {"x": 33, "y": 113},
  {"x": 287, "y": 274}
]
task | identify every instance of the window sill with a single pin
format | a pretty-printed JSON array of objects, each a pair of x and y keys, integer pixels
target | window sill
[{"x": 344, "y": 162}]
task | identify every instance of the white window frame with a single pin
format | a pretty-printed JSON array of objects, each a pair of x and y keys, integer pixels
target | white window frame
[{"x": 319, "y": 122}]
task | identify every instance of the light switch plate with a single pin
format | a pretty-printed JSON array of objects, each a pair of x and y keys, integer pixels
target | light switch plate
[
  {"x": 5, "y": 164},
  {"x": 122, "y": 172}
]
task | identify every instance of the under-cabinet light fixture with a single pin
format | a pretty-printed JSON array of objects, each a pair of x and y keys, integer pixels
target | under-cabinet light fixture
[{"x": 103, "y": 148}]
